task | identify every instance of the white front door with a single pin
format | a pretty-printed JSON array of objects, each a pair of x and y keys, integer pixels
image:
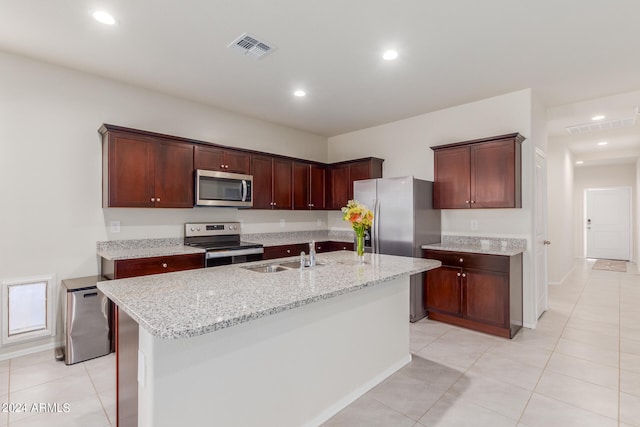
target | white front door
[
  {"x": 541, "y": 242},
  {"x": 608, "y": 223}
]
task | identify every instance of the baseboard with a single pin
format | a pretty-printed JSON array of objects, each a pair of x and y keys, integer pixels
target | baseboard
[
  {"x": 31, "y": 350},
  {"x": 357, "y": 393},
  {"x": 565, "y": 277}
]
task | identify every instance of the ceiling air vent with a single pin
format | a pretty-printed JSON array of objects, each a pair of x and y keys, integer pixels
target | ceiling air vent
[
  {"x": 251, "y": 46},
  {"x": 593, "y": 127}
]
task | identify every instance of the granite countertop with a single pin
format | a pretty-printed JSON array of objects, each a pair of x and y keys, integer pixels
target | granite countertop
[
  {"x": 196, "y": 302},
  {"x": 482, "y": 245},
  {"x": 144, "y": 248},
  {"x": 294, "y": 237}
]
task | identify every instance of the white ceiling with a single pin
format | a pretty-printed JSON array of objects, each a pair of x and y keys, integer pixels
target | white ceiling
[{"x": 451, "y": 52}]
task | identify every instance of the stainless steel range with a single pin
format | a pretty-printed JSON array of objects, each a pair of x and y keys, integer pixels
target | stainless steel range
[{"x": 222, "y": 243}]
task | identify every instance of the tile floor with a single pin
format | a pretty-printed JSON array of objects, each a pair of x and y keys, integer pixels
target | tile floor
[{"x": 580, "y": 367}]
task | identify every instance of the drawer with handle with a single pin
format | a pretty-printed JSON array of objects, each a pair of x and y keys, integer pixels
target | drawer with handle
[{"x": 155, "y": 265}]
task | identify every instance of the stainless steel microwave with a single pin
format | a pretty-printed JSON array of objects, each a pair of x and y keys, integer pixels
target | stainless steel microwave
[{"x": 215, "y": 188}]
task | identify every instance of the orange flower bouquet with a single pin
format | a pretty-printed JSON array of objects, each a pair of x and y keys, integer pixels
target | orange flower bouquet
[{"x": 361, "y": 218}]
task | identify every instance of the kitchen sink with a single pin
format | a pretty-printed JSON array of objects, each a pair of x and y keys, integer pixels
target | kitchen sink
[{"x": 274, "y": 268}]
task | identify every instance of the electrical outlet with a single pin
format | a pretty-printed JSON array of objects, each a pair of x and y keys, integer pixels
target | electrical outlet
[
  {"x": 115, "y": 226},
  {"x": 474, "y": 224},
  {"x": 282, "y": 223}
]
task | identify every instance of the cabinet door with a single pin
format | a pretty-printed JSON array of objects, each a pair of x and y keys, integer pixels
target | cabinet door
[
  {"x": 130, "y": 171},
  {"x": 486, "y": 297},
  {"x": 493, "y": 175},
  {"x": 208, "y": 158},
  {"x": 237, "y": 162},
  {"x": 339, "y": 186},
  {"x": 443, "y": 291},
  {"x": 301, "y": 187},
  {"x": 282, "y": 184},
  {"x": 316, "y": 187},
  {"x": 156, "y": 265},
  {"x": 262, "y": 171},
  {"x": 452, "y": 174},
  {"x": 358, "y": 171},
  {"x": 174, "y": 175}
]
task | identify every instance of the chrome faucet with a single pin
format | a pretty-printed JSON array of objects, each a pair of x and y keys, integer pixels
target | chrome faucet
[{"x": 312, "y": 253}]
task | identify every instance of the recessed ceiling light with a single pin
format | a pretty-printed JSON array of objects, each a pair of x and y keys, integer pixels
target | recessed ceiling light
[
  {"x": 300, "y": 93},
  {"x": 579, "y": 162},
  {"x": 104, "y": 17},
  {"x": 390, "y": 55},
  {"x": 603, "y": 143},
  {"x": 598, "y": 117}
]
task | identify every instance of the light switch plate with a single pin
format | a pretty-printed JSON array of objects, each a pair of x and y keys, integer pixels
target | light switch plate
[{"x": 115, "y": 226}]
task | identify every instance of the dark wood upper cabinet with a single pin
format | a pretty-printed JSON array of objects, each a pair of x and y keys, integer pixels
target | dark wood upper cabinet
[
  {"x": 222, "y": 159},
  {"x": 147, "y": 169},
  {"x": 340, "y": 178},
  {"x": 272, "y": 182},
  {"x": 139, "y": 171},
  {"x": 483, "y": 173},
  {"x": 308, "y": 186}
]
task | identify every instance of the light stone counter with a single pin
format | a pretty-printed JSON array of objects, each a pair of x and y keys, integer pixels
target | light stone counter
[
  {"x": 144, "y": 248},
  {"x": 481, "y": 245},
  {"x": 196, "y": 302}
]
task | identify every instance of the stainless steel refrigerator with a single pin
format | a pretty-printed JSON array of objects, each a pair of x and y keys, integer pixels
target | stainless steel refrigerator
[{"x": 404, "y": 220}]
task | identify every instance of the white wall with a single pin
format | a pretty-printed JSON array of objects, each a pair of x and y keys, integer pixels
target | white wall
[
  {"x": 50, "y": 166},
  {"x": 404, "y": 145},
  {"x": 560, "y": 215},
  {"x": 605, "y": 176}
]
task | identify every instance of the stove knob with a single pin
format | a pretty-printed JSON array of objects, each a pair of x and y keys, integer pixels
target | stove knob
[
  {"x": 198, "y": 228},
  {"x": 192, "y": 229}
]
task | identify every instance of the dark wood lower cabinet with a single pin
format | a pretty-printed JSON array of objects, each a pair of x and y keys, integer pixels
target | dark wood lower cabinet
[
  {"x": 282, "y": 251},
  {"x": 476, "y": 291}
]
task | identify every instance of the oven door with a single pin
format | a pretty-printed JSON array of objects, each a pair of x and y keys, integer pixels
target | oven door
[
  {"x": 223, "y": 189},
  {"x": 233, "y": 256}
]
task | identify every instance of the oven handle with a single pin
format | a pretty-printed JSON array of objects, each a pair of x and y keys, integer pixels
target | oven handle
[
  {"x": 234, "y": 252},
  {"x": 244, "y": 190}
]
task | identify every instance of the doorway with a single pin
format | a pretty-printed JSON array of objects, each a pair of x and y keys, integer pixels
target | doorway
[{"x": 607, "y": 223}]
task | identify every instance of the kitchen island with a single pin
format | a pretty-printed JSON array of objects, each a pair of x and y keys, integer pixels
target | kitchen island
[{"x": 231, "y": 346}]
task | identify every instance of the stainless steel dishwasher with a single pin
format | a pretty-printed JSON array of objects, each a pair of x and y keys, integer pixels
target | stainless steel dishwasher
[{"x": 87, "y": 320}]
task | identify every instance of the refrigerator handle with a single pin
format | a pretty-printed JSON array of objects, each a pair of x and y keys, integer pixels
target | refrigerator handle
[{"x": 376, "y": 225}]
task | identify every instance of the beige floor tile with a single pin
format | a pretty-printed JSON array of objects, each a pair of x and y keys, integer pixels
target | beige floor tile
[
  {"x": 503, "y": 398},
  {"x": 588, "y": 396},
  {"x": 73, "y": 390},
  {"x": 630, "y": 362},
  {"x": 25, "y": 376},
  {"x": 596, "y": 316},
  {"x": 507, "y": 370},
  {"x": 535, "y": 339},
  {"x": 630, "y": 409},
  {"x": 526, "y": 352},
  {"x": 4, "y": 382},
  {"x": 368, "y": 412},
  {"x": 593, "y": 326},
  {"x": 543, "y": 411},
  {"x": 448, "y": 352},
  {"x": 435, "y": 375},
  {"x": 630, "y": 382},
  {"x": 419, "y": 340},
  {"x": 630, "y": 346},
  {"x": 600, "y": 340},
  {"x": 588, "y": 352},
  {"x": 453, "y": 411},
  {"x": 406, "y": 395},
  {"x": 596, "y": 373},
  {"x": 108, "y": 400}
]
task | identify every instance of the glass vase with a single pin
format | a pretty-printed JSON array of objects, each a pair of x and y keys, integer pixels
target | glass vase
[{"x": 360, "y": 245}]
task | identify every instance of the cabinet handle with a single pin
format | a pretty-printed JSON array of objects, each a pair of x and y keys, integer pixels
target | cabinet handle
[
  {"x": 164, "y": 265},
  {"x": 158, "y": 199},
  {"x": 473, "y": 201},
  {"x": 464, "y": 275},
  {"x": 226, "y": 166},
  {"x": 467, "y": 201},
  {"x": 288, "y": 251},
  {"x": 458, "y": 274},
  {"x": 153, "y": 199},
  {"x": 461, "y": 260},
  {"x": 221, "y": 166}
]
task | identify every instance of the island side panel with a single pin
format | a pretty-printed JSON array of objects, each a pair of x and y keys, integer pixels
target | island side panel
[
  {"x": 294, "y": 368},
  {"x": 126, "y": 370}
]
